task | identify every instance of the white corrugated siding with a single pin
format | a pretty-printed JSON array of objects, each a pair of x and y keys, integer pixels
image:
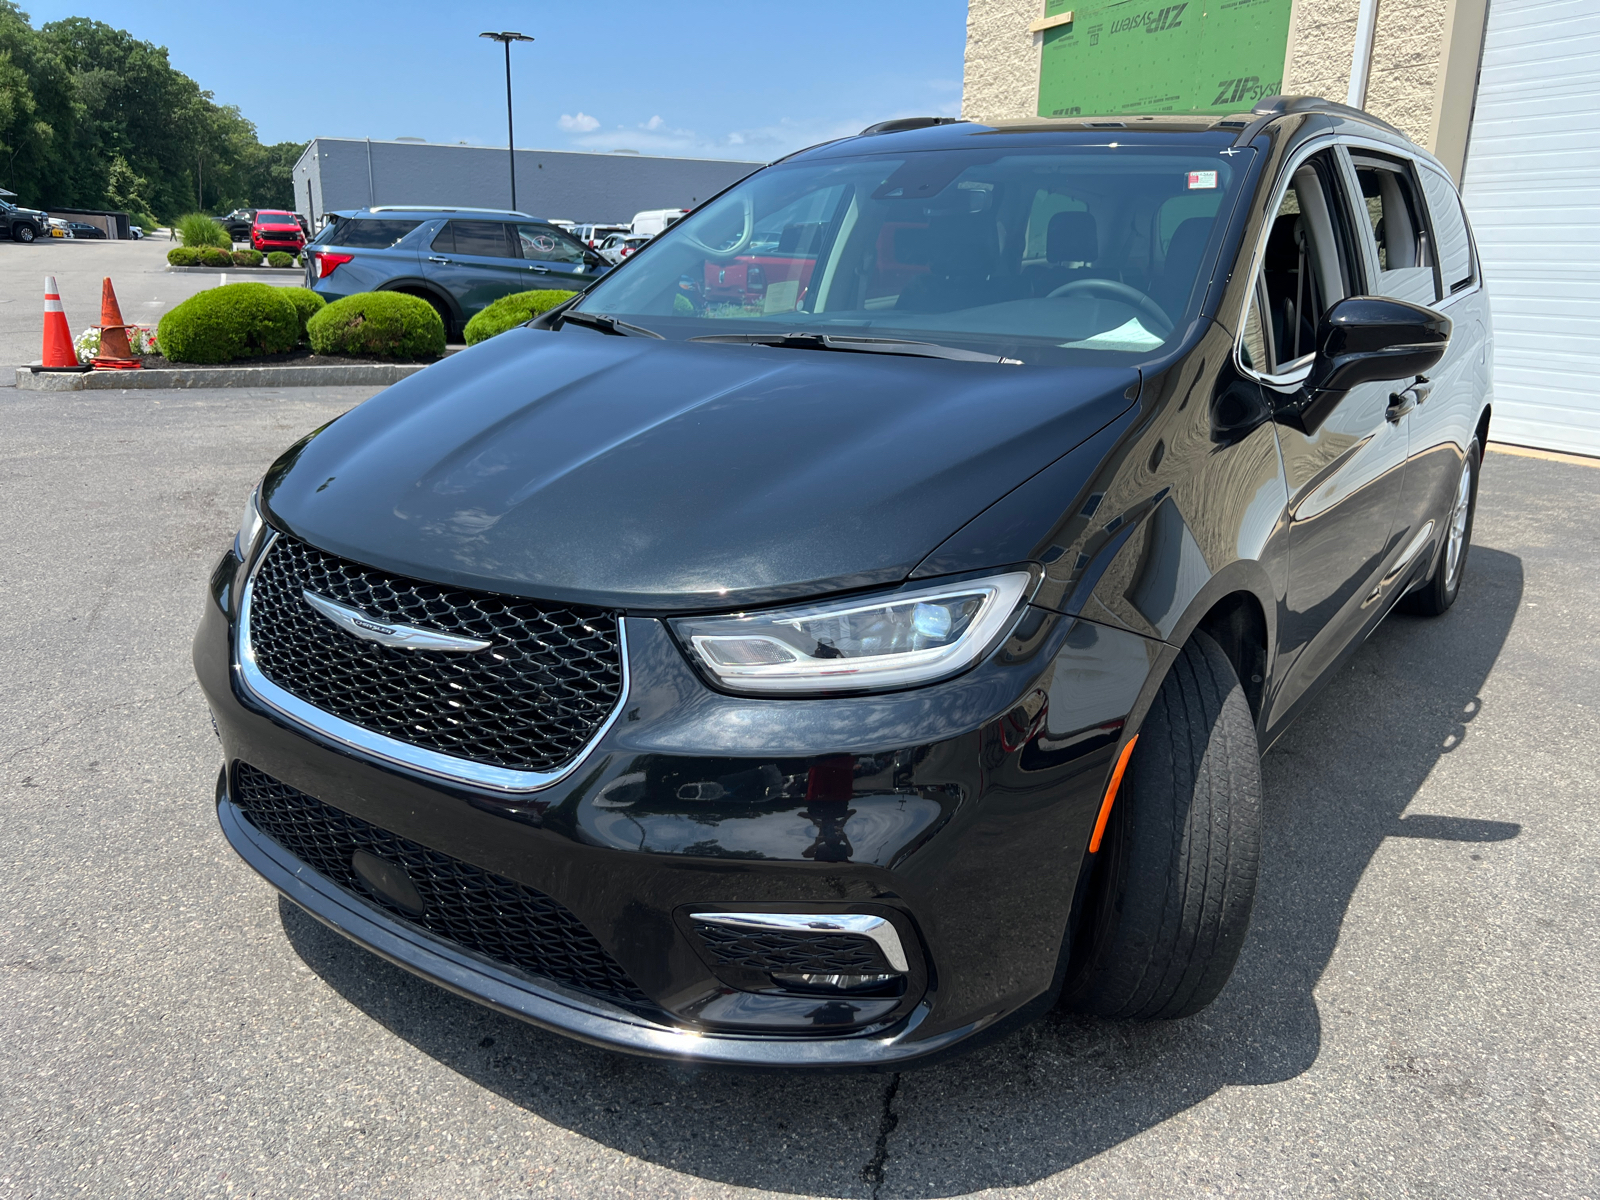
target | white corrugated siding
[{"x": 1532, "y": 190}]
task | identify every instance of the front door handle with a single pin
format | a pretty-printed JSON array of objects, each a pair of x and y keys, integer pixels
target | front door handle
[
  {"x": 541, "y": 270},
  {"x": 441, "y": 261}
]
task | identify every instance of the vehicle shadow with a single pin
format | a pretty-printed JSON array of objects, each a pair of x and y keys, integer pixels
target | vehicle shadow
[{"x": 1066, "y": 1088}]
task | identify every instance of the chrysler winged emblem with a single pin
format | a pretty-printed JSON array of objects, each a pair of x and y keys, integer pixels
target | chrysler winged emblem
[{"x": 406, "y": 637}]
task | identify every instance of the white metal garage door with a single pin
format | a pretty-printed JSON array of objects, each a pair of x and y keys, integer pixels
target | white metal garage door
[{"x": 1532, "y": 189}]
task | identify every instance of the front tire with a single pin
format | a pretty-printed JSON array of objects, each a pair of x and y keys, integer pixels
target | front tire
[
  {"x": 1433, "y": 598},
  {"x": 23, "y": 233},
  {"x": 1162, "y": 916}
]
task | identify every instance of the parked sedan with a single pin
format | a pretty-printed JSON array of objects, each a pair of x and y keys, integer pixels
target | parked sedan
[
  {"x": 620, "y": 245},
  {"x": 82, "y": 229},
  {"x": 823, "y": 676},
  {"x": 458, "y": 260}
]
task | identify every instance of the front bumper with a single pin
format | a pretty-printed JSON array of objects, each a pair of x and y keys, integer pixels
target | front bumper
[{"x": 963, "y": 817}]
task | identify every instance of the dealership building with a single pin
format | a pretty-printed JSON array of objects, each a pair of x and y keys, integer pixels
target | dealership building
[
  {"x": 1506, "y": 93},
  {"x": 345, "y": 173}
]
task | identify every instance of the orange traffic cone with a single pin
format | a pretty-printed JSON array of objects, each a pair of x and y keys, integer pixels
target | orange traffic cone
[
  {"x": 59, "y": 353},
  {"x": 115, "y": 354}
]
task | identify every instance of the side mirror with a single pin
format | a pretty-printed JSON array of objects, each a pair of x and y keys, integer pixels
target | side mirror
[{"x": 1366, "y": 339}]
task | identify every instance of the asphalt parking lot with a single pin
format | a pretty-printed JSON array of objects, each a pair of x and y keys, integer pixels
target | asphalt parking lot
[
  {"x": 1414, "y": 1015},
  {"x": 138, "y": 271}
]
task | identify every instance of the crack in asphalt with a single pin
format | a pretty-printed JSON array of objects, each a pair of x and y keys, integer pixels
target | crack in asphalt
[{"x": 873, "y": 1172}]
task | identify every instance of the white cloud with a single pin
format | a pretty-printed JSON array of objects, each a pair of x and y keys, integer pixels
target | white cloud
[{"x": 761, "y": 143}]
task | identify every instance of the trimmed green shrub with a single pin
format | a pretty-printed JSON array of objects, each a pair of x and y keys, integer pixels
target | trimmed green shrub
[
  {"x": 379, "y": 325},
  {"x": 511, "y": 311},
  {"x": 247, "y": 258},
  {"x": 183, "y": 256},
  {"x": 306, "y": 304},
  {"x": 239, "y": 320},
  {"x": 280, "y": 258},
  {"x": 197, "y": 229},
  {"x": 210, "y": 256}
]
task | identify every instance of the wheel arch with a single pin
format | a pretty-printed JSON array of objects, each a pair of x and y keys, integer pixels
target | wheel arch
[
  {"x": 1237, "y": 609},
  {"x": 422, "y": 289}
]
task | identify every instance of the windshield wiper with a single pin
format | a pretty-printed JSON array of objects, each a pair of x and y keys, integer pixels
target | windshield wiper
[
  {"x": 855, "y": 345},
  {"x": 607, "y": 324}
]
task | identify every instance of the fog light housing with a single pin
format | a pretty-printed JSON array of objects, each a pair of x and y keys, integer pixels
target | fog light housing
[{"x": 811, "y": 982}]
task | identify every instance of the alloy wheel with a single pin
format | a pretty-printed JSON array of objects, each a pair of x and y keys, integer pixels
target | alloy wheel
[{"x": 1457, "y": 534}]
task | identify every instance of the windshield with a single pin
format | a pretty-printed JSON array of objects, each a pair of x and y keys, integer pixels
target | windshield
[
  {"x": 1045, "y": 256},
  {"x": 276, "y": 218}
]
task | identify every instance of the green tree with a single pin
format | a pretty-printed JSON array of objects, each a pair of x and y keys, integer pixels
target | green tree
[{"x": 91, "y": 116}]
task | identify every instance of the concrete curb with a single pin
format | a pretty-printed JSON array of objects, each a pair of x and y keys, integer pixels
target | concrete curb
[
  {"x": 245, "y": 271},
  {"x": 332, "y": 375}
]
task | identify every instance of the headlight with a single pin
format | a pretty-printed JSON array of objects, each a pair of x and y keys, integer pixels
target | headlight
[
  {"x": 250, "y": 527},
  {"x": 905, "y": 639}
]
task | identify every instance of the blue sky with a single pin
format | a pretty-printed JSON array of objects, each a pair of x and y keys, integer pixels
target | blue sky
[{"x": 749, "y": 80}]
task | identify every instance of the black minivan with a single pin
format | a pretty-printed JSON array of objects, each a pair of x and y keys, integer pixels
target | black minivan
[{"x": 854, "y": 625}]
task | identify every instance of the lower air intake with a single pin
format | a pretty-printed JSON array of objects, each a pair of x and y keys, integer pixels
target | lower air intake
[{"x": 476, "y": 909}]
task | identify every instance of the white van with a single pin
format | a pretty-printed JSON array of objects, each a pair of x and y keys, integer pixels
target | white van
[{"x": 655, "y": 220}]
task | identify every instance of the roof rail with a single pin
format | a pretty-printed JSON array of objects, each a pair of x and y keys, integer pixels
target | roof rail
[
  {"x": 443, "y": 208},
  {"x": 901, "y": 124},
  {"x": 1273, "y": 107}
]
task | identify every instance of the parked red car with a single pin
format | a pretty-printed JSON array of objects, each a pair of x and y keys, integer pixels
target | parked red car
[{"x": 277, "y": 231}]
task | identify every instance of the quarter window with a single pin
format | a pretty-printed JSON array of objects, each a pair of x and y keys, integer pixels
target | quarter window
[
  {"x": 372, "y": 235},
  {"x": 1397, "y": 225},
  {"x": 1455, "y": 247}
]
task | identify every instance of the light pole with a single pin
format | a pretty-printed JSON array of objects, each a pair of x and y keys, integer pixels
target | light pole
[{"x": 505, "y": 38}]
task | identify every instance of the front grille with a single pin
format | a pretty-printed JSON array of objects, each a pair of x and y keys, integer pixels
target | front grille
[
  {"x": 808, "y": 953},
  {"x": 464, "y": 904},
  {"x": 530, "y": 702}
]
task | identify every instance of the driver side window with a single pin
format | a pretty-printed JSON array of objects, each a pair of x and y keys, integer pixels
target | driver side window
[{"x": 1306, "y": 267}]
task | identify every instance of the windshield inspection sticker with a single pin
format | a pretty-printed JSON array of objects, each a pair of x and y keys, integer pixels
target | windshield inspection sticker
[{"x": 1202, "y": 179}]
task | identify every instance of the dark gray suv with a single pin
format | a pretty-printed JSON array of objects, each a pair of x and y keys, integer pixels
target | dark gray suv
[{"x": 459, "y": 260}]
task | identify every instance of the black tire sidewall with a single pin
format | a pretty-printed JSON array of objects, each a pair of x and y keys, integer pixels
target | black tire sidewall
[{"x": 1162, "y": 909}]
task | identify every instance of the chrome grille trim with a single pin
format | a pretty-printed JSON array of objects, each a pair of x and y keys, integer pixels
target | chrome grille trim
[{"x": 391, "y": 750}]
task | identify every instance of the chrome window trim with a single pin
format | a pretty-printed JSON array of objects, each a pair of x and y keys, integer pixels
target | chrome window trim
[
  {"x": 875, "y": 929},
  {"x": 1293, "y": 379},
  {"x": 1285, "y": 178},
  {"x": 366, "y": 743},
  {"x": 1421, "y": 162}
]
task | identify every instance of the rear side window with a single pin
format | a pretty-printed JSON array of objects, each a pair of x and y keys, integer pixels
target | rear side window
[
  {"x": 371, "y": 235},
  {"x": 1397, "y": 223},
  {"x": 1450, "y": 226},
  {"x": 486, "y": 239}
]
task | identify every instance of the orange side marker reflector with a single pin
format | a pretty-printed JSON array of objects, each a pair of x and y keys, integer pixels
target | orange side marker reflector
[{"x": 1111, "y": 795}]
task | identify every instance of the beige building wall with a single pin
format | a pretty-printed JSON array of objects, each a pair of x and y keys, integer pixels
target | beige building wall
[
  {"x": 1405, "y": 57},
  {"x": 1422, "y": 79},
  {"x": 1001, "y": 78}
]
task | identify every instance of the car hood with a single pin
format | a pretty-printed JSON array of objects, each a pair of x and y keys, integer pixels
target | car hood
[{"x": 643, "y": 474}]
